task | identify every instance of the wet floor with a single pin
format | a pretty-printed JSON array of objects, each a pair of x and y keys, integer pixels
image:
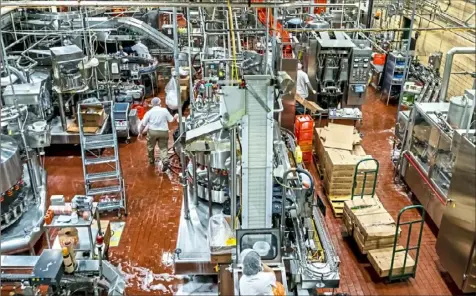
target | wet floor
[{"x": 149, "y": 238}]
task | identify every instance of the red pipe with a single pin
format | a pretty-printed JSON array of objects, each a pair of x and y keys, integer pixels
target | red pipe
[{"x": 415, "y": 165}]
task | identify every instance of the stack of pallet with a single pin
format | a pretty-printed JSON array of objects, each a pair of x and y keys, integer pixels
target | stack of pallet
[
  {"x": 369, "y": 223},
  {"x": 338, "y": 150},
  {"x": 303, "y": 130}
]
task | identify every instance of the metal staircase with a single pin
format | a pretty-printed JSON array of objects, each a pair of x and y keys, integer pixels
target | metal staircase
[{"x": 101, "y": 164}]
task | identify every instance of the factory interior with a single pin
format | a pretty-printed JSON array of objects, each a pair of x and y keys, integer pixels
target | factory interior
[{"x": 132, "y": 160}]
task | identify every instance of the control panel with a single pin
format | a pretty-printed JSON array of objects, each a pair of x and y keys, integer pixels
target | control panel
[{"x": 360, "y": 65}]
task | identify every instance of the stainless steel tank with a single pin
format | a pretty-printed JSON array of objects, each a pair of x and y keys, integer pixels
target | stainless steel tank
[
  {"x": 11, "y": 168},
  {"x": 459, "y": 112}
]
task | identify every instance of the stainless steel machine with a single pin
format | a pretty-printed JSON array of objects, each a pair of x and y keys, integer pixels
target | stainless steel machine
[
  {"x": 239, "y": 154},
  {"x": 92, "y": 277},
  {"x": 456, "y": 243},
  {"x": 338, "y": 66}
]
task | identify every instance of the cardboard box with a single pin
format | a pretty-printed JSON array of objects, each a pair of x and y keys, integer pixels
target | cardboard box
[
  {"x": 184, "y": 93},
  {"x": 93, "y": 116}
]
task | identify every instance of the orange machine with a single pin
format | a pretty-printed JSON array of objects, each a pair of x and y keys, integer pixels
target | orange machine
[
  {"x": 279, "y": 28},
  {"x": 320, "y": 10}
]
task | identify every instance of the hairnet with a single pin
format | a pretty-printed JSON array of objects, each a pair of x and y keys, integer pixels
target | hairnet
[
  {"x": 299, "y": 66},
  {"x": 155, "y": 101},
  {"x": 251, "y": 263}
]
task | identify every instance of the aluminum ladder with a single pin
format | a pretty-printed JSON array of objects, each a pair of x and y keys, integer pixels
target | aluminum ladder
[{"x": 101, "y": 165}]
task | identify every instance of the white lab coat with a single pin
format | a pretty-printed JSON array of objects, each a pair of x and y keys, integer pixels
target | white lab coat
[
  {"x": 141, "y": 50},
  {"x": 261, "y": 283},
  {"x": 301, "y": 84}
]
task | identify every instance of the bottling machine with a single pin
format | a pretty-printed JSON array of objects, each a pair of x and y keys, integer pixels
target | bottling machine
[{"x": 241, "y": 195}]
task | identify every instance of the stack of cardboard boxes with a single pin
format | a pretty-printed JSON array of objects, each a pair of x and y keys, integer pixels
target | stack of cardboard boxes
[
  {"x": 339, "y": 151},
  {"x": 93, "y": 118},
  {"x": 375, "y": 231}
]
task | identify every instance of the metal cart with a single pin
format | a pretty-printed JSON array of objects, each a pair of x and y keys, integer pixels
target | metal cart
[{"x": 121, "y": 120}]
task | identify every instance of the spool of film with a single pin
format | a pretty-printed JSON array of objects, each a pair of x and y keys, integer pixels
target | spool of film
[
  {"x": 70, "y": 248},
  {"x": 67, "y": 261}
]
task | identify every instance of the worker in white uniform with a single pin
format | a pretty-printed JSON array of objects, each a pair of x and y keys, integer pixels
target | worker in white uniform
[
  {"x": 258, "y": 278},
  {"x": 156, "y": 121},
  {"x": 303, "y": 83},
  {"x": 141, "y": 50}
]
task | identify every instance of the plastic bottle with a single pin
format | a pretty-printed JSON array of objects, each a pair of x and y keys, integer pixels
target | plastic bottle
[{"x": 298, "y": 154}]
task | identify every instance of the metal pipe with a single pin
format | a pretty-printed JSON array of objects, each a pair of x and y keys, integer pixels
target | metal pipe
[
  {"x": 407, "y": 57},
  {"x": 209, "y": 183},
  {"x": 266, "y": 44},
  {"x": 233, "y": 176},
  {"x": 4, "y": 81},
  {"x": 189, "y": 40},
  {"x": 194, "y": 180},
  {"x": 16, "y": 42},
  {"x": 61, "y": 110},
  {"x": 445, "y": 81},
  {"x": 281, "y": 107},
  {"x": 369, "y": 13},
  {"x": 210, "y": 4},
  {"x": 181, "y": 122}
]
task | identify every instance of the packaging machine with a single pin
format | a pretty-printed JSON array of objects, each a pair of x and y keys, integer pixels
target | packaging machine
[
  {"x": 238, "y": 147},
  {"x": 93, "y": 277},
  {"x": 338, "y": 68}
]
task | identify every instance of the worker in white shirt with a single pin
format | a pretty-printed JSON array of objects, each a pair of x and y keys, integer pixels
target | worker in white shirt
[
  {"x": 141, "y": 50},
  {"x": 257, "y": 278},
  {"x": 303, "y": 83},
  {"x": 156, "y": 121}
]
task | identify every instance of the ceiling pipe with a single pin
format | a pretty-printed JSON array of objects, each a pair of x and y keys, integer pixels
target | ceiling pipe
[
  {"x": 164, "y": 4},
  {"x": 448, "y": 64}
]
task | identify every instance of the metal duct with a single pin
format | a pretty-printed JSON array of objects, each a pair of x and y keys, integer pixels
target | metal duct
[
  {"x": 257, "y": 134},
  {"x": 448, "y": 65}
]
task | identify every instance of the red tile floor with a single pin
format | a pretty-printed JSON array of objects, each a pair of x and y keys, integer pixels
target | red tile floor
[{"x": 155, "y": 203}]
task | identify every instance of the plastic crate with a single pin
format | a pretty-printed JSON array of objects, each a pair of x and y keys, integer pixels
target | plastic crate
[
  {"x": 304, "y": 142},
  {"x": 304, "y": 136},
  {"x": 303, "y": 122},
  {"x": 307, "y": 156},
  {"x": 379, "y": 59},
  {"x": 306, "y": 148}
]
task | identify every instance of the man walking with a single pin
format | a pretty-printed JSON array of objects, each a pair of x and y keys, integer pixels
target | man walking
[
  {"x": 303, "y": 83},
  {"x": 156, "y": 121}
]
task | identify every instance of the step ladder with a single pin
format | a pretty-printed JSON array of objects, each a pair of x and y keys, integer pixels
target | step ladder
[{"x": 101, "y": 164}]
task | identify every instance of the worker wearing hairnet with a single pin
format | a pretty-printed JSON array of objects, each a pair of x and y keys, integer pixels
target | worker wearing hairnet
[
  {"x": 155, "y": 120},
  {"x": 258, "y": 278},
  {"x": 303, "y": 83},
  {"x": 141, "y": 50}
]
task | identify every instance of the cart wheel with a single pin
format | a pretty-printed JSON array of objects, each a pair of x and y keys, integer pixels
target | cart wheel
[{"x": 128, "y": 141}]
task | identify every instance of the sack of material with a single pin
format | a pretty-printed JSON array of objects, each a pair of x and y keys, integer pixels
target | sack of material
[{"x": 171, "y": 96}]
